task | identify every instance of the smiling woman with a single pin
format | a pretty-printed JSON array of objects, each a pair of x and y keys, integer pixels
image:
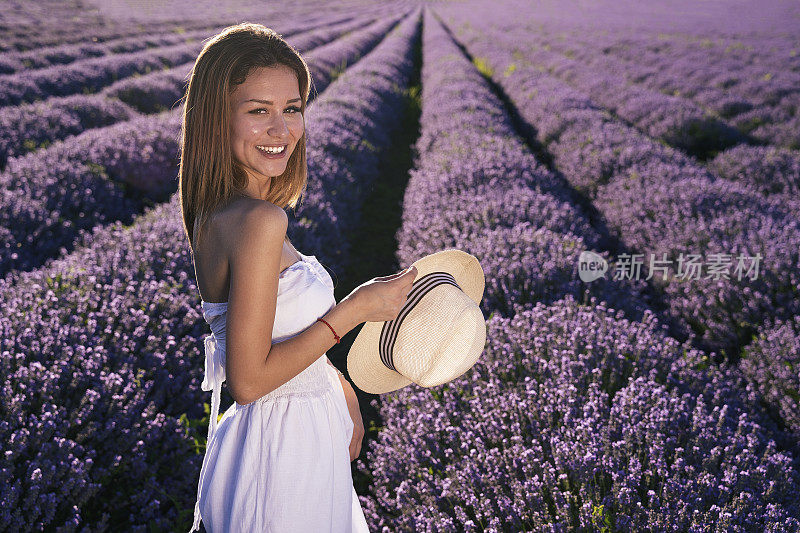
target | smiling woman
[
  {"x": 266, "y": 125},
  {"x": 279, "y": 458},
  {"x": 248, "y": 88}
]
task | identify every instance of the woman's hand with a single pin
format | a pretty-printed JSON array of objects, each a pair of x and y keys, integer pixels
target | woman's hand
[
  {"x": 355, "y": 416},
  {"x": 381, "y": 299}
]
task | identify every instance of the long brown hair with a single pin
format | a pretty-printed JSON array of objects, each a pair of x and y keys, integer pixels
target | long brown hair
[{"x": 209, "y": 176}]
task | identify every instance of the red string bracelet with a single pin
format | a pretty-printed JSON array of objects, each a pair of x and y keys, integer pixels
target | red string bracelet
[{"x": 334, "y": 333}]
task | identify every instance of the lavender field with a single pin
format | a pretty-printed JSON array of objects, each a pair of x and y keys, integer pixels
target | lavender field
[{"x": 658, "y": 142}]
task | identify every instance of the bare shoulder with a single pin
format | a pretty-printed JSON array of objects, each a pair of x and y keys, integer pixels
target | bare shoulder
[{"x": 247, "y": 222}]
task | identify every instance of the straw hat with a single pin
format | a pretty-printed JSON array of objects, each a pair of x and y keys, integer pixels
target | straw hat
[{"x": 438, "y": 335}]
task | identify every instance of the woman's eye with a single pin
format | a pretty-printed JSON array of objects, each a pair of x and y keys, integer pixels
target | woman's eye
[{"x": 293, "y": 108}]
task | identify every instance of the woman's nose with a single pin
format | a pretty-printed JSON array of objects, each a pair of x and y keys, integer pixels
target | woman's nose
[{"x": 278, "y": 128}]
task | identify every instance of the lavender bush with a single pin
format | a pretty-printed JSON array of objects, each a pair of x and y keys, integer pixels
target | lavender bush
[
  {"x": 767, "y": 169},
  {"x": 68, "y": 53},
  {"x": 676, "y": 121},
  {"x": 90, "y": 75},
  {"x": 30, "y": 127},
  {"x": 48, "y": 197},
  {"x": 669, "y": 212},
  {"x": 749, "y": 78},
  {"x": 772, "y": 362},
  {"x": 48, "y": 25},
  {"x": 576, "y": 419}
]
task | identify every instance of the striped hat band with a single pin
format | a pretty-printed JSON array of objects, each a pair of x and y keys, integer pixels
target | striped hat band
[{"x": 420, "y": 288}]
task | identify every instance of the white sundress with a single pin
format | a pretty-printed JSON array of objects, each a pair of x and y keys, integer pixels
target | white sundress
[{"x": 281, "y": 463}]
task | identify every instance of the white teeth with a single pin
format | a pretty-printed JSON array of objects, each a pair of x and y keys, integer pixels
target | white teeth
[{"x": 271, "y": 149}]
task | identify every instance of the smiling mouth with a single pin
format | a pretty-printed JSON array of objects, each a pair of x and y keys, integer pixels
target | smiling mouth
[{"x": 273, "y": 150}]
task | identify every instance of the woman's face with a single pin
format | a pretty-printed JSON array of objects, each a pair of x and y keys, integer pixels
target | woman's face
[{"x": 265, "y": 115}]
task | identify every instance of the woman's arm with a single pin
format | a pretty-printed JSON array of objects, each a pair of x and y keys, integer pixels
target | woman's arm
[
  {"x": 288, "y": 358},
  {"x": 254, "y": 365},
  {"x": 355, "y": 414}
]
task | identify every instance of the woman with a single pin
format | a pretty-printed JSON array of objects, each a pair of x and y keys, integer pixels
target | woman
[{"x": 278, "y": 459}]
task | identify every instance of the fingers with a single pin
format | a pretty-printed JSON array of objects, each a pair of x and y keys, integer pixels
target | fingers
[
  {"x": 390, "y": 276},
  {"x": 409, "y": 277},
  {"x": 409, "y": 273},
  {"x": 355, "y": 450}
]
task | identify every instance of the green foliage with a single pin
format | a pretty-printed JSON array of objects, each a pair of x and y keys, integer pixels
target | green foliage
[
  {"x": 339, "y": 69},
  {"x": 601, "y": 520},
  {"x": 482, "y": 64},
  {"x": 197, "y": 428}
]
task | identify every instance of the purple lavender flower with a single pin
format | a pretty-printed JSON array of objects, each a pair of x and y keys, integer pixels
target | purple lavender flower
[{"x": 772, "y": 362}]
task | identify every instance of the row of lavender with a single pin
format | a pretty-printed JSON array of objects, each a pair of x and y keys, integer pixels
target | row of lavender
[
  {"x": 101, "y": 347},
  {"x": 63, "y": 54},
  {"x": 759, "y": 97},
  {"x": 749, "y": 75},
  {"x": 674, "y": 115},
  {"x": 660, "y": 201},
  {"x": 575, "y": 418},
  {"x": 615, "y": 85},
  {"x": 754, "y": 83},
  {"x": 52, "y": 27},
  {"x": 741, "y": 59},
  {"x": 16, "y": 62},
  {"x": 91, "y": 75},
  {"x": 111, "y": 173}
]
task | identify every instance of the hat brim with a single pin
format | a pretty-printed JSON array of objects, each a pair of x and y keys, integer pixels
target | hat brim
[{"x": 364, "y": 364}]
